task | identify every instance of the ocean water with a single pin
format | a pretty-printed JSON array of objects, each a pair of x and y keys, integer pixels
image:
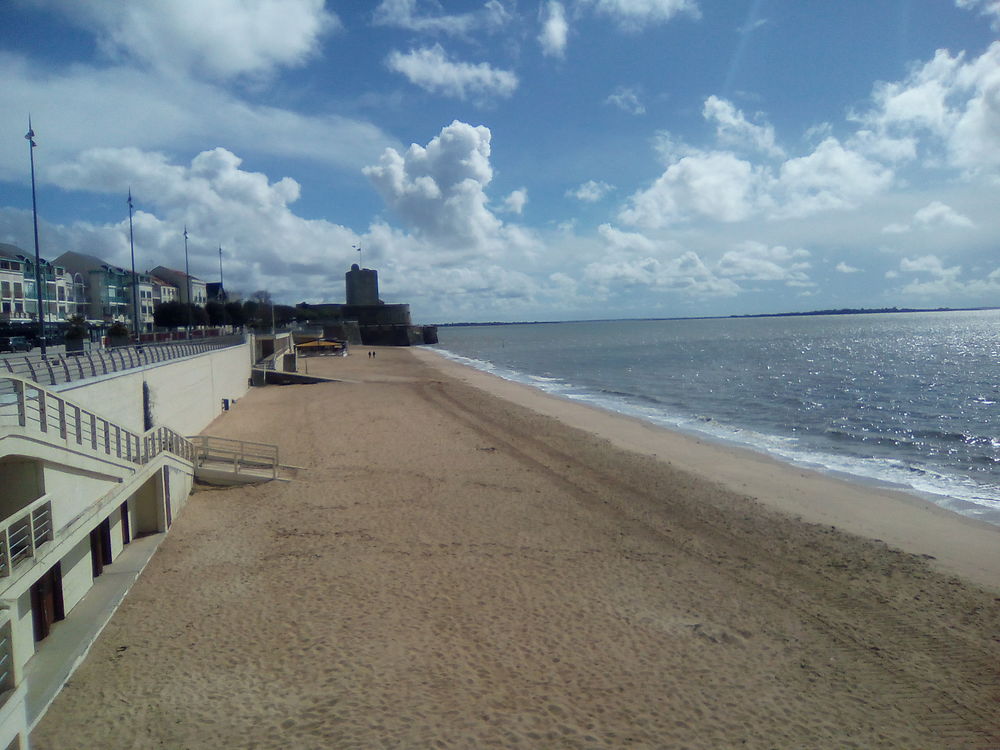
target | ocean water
[{"x": 907, "y": 399}]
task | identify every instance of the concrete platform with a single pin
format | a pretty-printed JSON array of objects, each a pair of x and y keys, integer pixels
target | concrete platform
[{"x": 70, "y": 640}]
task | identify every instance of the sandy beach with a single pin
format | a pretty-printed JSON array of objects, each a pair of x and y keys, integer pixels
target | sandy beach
[{"x": 463, "y": 562}]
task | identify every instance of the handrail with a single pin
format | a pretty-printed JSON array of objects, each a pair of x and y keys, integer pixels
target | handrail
[
  {"x": 24, "y": 532},
  {"x": 65, "y": 368},
  {"x": 37, "y": 407},
  {"x": 242, "y": 454}
]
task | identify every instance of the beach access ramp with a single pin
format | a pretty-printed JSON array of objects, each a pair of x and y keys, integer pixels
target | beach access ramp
[{"x": 224, "y": 461}]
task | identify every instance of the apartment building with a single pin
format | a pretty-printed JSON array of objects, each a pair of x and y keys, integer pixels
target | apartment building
[
  {"x": 181, "y": 281},
  {"x": 18, "y": 298}
]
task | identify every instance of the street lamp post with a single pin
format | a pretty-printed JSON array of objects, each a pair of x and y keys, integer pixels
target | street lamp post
[
  {"x": 187, "y": 279},
  {"x": 39, "y": 289},
  {"x": 136, "y": 323}
]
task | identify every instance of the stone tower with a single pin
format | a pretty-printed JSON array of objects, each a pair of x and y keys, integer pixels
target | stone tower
[{"x": 362, "y": 286}]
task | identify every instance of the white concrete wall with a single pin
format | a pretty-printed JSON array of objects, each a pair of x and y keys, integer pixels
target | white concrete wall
[
  {"x": 186, "y": 394},
  {"x": 77, "y": 574},
  {"x": 72, "y": 492}
]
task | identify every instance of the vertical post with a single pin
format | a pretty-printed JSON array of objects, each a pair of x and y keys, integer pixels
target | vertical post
[
  {"x": 39, "y": 289},
  {"x": 22, "y": 405},
  {"x": 136, "y": 322},
  {"x": 43, "y": 421},
  {"x": 187, "y": 279}
]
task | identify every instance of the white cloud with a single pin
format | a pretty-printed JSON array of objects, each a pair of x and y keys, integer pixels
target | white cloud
[
  {"x": 591, "y": 191},
  {"x": 439, "y": 191},
  {"x": 953, "y": 104},
  {"x": 714, "y": 185},
  {"x": 555, "y": 29},
  {"x": 221, "y": 204},
  {"x": 214, "y": 38},
  {"x": 990, "y": 8},
  {"x": 755, "y": 261},
  {"x": 404, "y": 14},
  {"x": 430, "y": 69},
  {"x": 941, "y": 283},
  {"x": 831, "y": 177},
  {"x": 627, "y": 100},
  {"x": 515, "y": 202},
  {"x": 929, "y": 264},
  {"x": 635, "y": 15},
  {"x": 70, "y": 113},
  {"x": 937, "y": 214},
  {"x": 845, "y": 268},
  {"x": 732, "y": 128}
]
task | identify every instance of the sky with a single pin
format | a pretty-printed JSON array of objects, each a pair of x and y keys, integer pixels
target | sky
[{"x": 515, "y": 160}]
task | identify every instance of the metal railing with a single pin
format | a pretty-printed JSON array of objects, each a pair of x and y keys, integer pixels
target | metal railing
[
  {"x": 38, "y": 408},
  {"x": 6, "y": 656},
  {"x": 24, "y": 532},
  {"x": 65, "y": 368},
  {"x": 240, "y": 456}
]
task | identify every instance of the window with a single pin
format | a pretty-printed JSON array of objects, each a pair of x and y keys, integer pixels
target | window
[
  {"x": 5, "y": 288},
  {"x": 18, "y": 290}
]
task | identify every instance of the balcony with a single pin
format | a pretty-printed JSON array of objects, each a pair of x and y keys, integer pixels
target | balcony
[{"x": 22, "y": 534}]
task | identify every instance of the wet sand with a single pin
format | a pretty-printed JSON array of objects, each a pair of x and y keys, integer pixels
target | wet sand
[{"x": 453, "y": 569}]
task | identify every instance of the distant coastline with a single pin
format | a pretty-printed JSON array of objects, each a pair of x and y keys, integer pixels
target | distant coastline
[{"x": 841, "y": 311}]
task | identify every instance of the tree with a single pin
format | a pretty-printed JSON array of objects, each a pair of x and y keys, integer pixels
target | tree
[
  {"x": 171, "y": 314},
  {"x": 217, "y": 315}
]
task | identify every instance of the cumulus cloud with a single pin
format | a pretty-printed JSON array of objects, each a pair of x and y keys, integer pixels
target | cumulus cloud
[
  {"x": 153, "y": 112},
  {"x": 714, "y": 185},
  {"x": 933, "y": 280},
  {"x": 935, "y": 215},
  {"x": 952, "y": 104},
  {"x": 514, "y": 203},
  {"x": 430, "y": 69},
  {"x": 591, "y": 191},
  {"x": 845, "y": 268},
  {"x": 633, "y": 259},
  {"x": 635, "y": 15},
  {"x": 989, "y": 8},
  {"x": 268, "y": 245},
  {"x": 214, "y": 38},
  {"x": 439, "y": 191},
  {"x": 755, "y": 261},
  {"x": 732, "y": 128},
  {"x": 555, "y": 29},
  {"x": 405, "y": 14},
  {"x": 627, "y": 100}
]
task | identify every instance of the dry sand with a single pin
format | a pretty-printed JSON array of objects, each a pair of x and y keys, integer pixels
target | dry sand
[{"x": 452, "y": 569}]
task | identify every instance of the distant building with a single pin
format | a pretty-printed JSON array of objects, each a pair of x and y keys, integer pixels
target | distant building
[
  {"x": 215, "y": 292},
  {"x": 199, "y": 292},
  {"x": 18, "y": 298},
  {"x": 163, "y": 291},
  {"x": 107, "y": 291}
]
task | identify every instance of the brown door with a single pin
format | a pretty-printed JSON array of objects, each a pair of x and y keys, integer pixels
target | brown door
[
  {"x": 100, "y": 547},
  {"x": 126, "y": 531},
  {"x": 166, "y": 495},
  {"x": 96, "y": 552},
  {"x": 47, "y": 601}
]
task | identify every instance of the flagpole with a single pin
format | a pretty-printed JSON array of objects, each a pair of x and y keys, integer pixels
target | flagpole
[
  {"x": 136, "y": 323},
  {"x": 187, "y": 275},
  {"x": 39, "y": 289}
]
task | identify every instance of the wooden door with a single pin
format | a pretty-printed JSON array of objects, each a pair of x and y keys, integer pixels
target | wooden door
[
  {"x": 47, "y": 602},
  {"x": 126, "y": 531},
  {"x": 100, "y": 547}
]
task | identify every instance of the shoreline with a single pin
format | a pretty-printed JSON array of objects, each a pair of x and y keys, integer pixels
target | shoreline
[{"x": 954, "y": 543}]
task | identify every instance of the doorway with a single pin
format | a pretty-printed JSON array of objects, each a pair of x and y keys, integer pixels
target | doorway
[
  {"x": 100, "y": 547},
  {"x": 47, "y": 602}
]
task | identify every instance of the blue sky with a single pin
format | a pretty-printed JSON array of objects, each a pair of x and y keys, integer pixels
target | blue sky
[{"x": 515, "y": 160}]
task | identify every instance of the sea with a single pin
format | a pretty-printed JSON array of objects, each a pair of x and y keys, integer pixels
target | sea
[{"x": 906, "y": 400}]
